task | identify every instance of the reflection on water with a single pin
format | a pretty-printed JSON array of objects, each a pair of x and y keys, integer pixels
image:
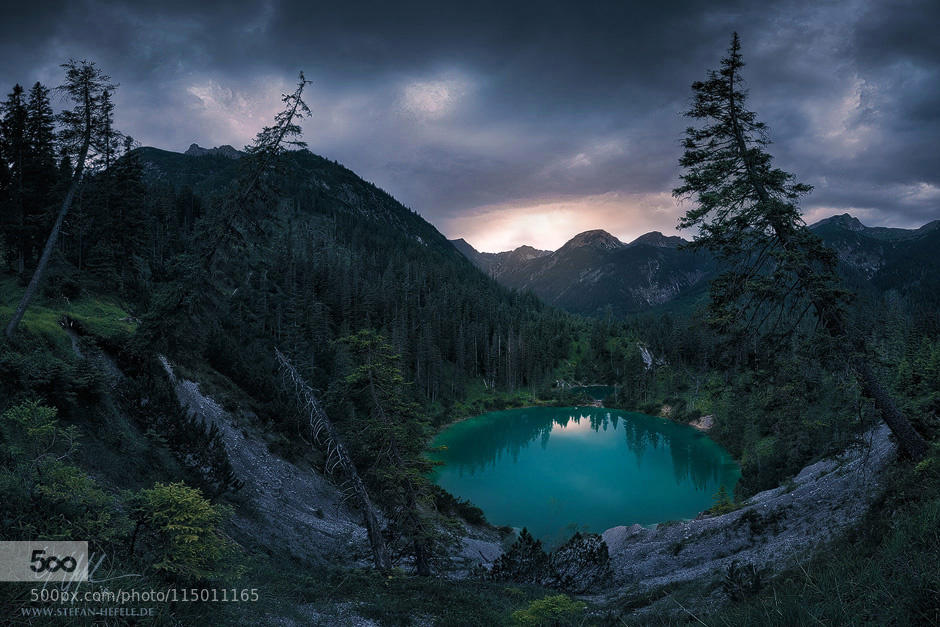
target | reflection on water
[
  {"x": 499, "y": 437},
  {"x": 548, "y": 468}
]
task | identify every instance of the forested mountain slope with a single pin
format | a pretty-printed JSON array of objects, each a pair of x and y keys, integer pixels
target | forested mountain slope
[
  {"x": 340, "y": 255},
  {"x": 903, "y": 260}
]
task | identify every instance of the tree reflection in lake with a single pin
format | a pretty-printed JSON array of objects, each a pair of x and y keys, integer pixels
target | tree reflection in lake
[{"x": 590, "y": 466}]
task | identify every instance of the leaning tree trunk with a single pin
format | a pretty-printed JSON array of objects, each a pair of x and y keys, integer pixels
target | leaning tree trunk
[
  {"x": 40, "y": 271},
  {"x": 911, "y": 442},
  {"x": 337, "y": 456}
]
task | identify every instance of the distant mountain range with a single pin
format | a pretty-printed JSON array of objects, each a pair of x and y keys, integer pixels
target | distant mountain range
[
  {"x": 494, "y": 264},
  {"x": 595, "y": 270}
]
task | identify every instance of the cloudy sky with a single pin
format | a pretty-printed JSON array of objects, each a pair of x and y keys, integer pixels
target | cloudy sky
[{"x": 512, "y": 123}]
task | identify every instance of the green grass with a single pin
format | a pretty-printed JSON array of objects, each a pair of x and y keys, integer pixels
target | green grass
[
  {"x": 884, "y": 572},
  {"x": 101, "y": 317},
  {"x": 396, "y": 599}
]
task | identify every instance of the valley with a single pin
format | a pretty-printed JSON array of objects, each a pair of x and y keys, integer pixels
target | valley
[{"x": 254, "y": 370}]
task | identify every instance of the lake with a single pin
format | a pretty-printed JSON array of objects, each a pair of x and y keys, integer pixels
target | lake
[{"x": 556, "y": 470}]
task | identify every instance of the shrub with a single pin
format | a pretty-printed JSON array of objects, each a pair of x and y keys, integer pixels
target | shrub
[
  {"x": 42, "y": 494},
  {"x": 580, "y": 564},
  {"x": 723, "y": 503},
  {"x": 182, "y": 531},
  {"x": 554, "y": 610},
  {"x": 524, "y": 562}
]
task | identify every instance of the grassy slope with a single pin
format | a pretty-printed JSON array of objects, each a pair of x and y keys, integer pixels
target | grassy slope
[{"x": 100, "y": 316}]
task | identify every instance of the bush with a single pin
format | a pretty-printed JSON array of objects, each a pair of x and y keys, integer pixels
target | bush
[
  {"x": 524, "y": 562},
  {"x": 450, "y": 505},
  {"x": 723, "y": 503},
  {"x": 181, "y": 529},
  {"x": 42, "y": 494},
  {"x": 554, "y": 610},
  {"x": 580, "y": 564}
]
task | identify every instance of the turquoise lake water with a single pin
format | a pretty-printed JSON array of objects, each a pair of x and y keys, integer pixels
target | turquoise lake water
[{"x": 556, "y": 470}]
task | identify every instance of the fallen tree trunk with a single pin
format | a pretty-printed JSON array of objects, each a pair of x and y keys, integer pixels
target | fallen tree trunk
[{"x": 337, "y": 456}]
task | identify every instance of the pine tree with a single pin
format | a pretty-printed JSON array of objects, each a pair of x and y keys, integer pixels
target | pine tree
[
  {"x": 40, "y": 172},
  {"x": 225, "y": 236},
  {"x": 392, "y": 440},
  {"x": 84, "y": 85},
  {"x": 6, "y": 211},
  {"x": 108, "y": 140},
  {"x": 747, "y": 213},
  {"x": 14, "y": 147}
]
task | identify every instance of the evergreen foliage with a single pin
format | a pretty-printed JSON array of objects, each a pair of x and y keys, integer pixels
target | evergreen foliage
[
  {"x": 182, "y": 528},
  {"x": 215, "y": 261},
  {"x": 43, "y": 493},
  {"x": 581, "y": 564},
  {"x": 559, "y": 609},
  {"x": 391, "y": 441},
  {"x": 747, "y": 215}
]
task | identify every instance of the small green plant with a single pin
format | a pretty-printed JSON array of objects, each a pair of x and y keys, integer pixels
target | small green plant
[
  {"x": 559, "y": 609},
  {"x": 42, "y": 493},
  {"x": 182, "y": 527},
  {"x": 723, "y": 503}
]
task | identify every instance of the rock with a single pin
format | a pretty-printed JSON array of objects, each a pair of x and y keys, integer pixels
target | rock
[
  {"x": 772, "y": 530},
  {"x": 616, "y": 536},
  {"x": 703, "y": 423},
  {"x": 291, "y": 509}
]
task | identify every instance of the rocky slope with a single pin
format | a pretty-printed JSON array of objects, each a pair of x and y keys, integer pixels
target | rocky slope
[
  {"x": 294, "y": 509},
  {"x": 288, "y": 508},
  {"x": 774, "y": 529}
]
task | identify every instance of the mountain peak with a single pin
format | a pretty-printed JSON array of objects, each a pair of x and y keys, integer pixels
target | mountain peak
[
  {"x": 845, "y": 221},
  {"x": 657, "y": 239},
  {"x": 195, "y": 150},
  {"x": 598, "y": 238},
  {"x": 530, "y": 252}
]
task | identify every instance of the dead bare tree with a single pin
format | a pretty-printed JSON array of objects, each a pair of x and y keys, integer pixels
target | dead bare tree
[{"x": 337, "y": 457}]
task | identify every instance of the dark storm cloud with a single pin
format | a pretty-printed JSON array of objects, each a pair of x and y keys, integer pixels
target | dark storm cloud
[{"x": 483, "y": 115}]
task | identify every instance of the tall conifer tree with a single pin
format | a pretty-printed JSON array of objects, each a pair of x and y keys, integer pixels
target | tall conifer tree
[
  {"x": 777, "y": 271},
  {"x": 15, "y": 150},
  {"x": 85, "y": 85}
]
